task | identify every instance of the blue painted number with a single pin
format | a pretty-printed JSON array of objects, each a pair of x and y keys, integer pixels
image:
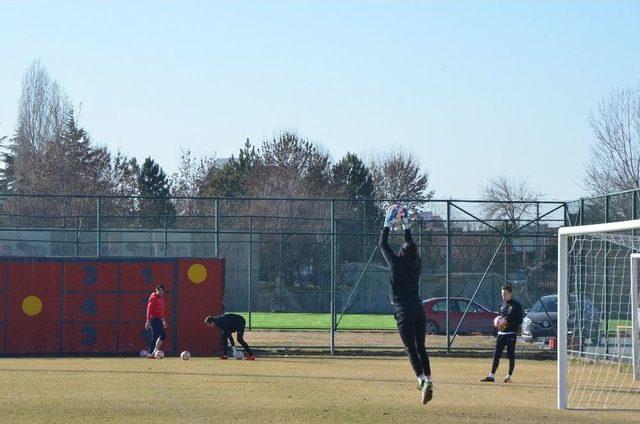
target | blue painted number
[
  {"x": 90, "y": 335},
  {"x": 89, "y": 307},
  {"x": 90, "y": 275}
]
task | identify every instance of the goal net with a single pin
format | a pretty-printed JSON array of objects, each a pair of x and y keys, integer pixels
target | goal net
[{"x": 597, "y": 319}]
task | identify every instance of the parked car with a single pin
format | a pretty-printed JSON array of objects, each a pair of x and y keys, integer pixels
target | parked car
[
  {"x": 541, "y": 320},
  {"x": 479, "y": 319}
]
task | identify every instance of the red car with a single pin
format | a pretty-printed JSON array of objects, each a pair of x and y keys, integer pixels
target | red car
[{"x": 478, "y": 320}]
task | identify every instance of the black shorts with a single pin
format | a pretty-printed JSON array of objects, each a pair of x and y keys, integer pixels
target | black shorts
[{"x": 157, "y": 329}]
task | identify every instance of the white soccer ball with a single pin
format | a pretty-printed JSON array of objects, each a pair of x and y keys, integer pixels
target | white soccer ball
[
  {"x": 500, "y": 322},
  {"x": 185, "y": 355},
  {"x": 159, "y": 354},
  {"x": 144, "y": 353},
  {"x": 399, "y": 211},
  {"x": 239, "y": 355}
]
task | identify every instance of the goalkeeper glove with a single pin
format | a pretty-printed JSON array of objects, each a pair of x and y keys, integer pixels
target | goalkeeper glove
[
  {"x": 391, "y": 215},
  {"x": 405, "y": 220}
]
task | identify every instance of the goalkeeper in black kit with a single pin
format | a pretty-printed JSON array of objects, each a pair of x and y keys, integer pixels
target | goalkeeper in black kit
[
  {"x": 409, "y": 315},
  {"x": 509, "y": 320},
  {"x": 230, "y": 323}
]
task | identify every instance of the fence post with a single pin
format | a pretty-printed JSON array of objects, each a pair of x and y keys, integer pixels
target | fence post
[
  {"x": 166, "y": 239},
  {"x": 448, "y": 277},
  {"x": 421, "y": 256},
  {"x": 504, "y": 260},
  {"x": 216, "y": 239},
  {"x": 77, "y": 247},
  {"x": 606, "y": 281},
  {"x": 333, "y": 279},
  {"x": 98, "y": 234},
  {"x": 537, "y": 255},
  {"x": 249, "y": 271}
]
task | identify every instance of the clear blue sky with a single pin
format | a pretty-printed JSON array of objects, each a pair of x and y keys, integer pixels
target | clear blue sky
[{"x": 475, "y": 88}]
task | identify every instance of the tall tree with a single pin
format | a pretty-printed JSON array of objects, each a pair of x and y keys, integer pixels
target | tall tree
[
  {"x": 509, "y": 200},
  {"x": 188, "y": 181},
  {"x": 351, "y": 179},
  {"x": 124, "y": 184},
  {"x": 291, "y": 166},
  {"x": 614, "y": 164},
  {"x": 42, "y": 110},
  {"x": 50, "y": 152},
  {"x": 231, "y": 179},
  {"x": 155, "y": 209},
  {"x": 398, "y": 175},
  {"x": 7, "y": 170}
]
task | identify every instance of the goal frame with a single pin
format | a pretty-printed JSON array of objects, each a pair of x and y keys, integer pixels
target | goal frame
[{"x": 563, "y": 302}]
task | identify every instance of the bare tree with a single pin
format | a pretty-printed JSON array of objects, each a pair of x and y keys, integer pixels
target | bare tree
[
  {"x": 51, "y": 153},
  {"x": 510, "y": 200},
  {"x": 398, "y": 175},
  {"x": 42, "y": 108},
  {"x": 292, "y": 166},
  {"x": 188, "y": 180},
  {"x": 615, "y": 152}
]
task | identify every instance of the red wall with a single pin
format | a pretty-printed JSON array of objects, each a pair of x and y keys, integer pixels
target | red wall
[{"x": 98, "y": 306}]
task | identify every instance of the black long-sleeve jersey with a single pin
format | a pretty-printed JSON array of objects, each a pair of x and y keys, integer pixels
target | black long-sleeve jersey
[
  {"x": 405, "y": 273},
  {"x": 230, "y": 323},
  {"x": 512, "y": 311}
]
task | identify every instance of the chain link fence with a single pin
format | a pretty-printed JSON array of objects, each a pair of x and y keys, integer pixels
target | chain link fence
[{"x": 307, "y": 274}]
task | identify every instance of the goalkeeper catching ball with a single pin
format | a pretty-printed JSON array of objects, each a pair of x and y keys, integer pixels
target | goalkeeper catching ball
[
  {"x": 507, "y": 323},
  {"x": 409, "y": 315}
]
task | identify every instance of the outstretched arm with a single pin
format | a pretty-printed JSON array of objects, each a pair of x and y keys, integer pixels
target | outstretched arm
[
  {"x": 406, "y": 226},
  {"x": 407, "y": 235},
  {"x": 383, "y": 243}
]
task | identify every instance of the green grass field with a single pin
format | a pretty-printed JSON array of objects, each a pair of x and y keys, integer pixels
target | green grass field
[
  {"x": 277, "y": 390},
  {"x": 308, "y": 321}
]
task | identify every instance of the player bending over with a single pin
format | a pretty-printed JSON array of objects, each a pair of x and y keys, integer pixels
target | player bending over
[
  {"x": 230, "y": 323},
  {"x": 511, "y": 310},
  {"x": 409, "y": 315}
]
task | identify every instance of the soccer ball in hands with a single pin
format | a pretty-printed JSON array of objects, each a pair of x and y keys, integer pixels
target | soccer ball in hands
[
  {"x": 159, "y": 354},
  {"x": 500, "y": 323},
  {"x": 399, "y": 214},
  {"x": 185, "y": 355}
]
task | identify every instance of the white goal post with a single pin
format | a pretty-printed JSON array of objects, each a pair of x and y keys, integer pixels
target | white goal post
[{"x": 598, "y": 297}]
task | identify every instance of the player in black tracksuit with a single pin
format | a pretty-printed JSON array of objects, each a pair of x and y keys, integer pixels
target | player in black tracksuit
[
  {"x": 512, "y": 311},
  {"x": 409, "y": 315},
  {"x": 230, "y": 323}
]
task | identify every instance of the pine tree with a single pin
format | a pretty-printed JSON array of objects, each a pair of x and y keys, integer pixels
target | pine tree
[
  {"x": 351, "y": 179},
  {"x": 156, "y": 207},
  {"x": 231, "y": 180},
  {"x": 7, "y": 171}
]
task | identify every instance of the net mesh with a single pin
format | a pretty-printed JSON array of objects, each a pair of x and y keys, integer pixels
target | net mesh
[{"x": 599, "y": 325}]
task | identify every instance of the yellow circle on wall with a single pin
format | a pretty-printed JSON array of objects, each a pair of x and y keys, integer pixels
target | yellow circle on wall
[
  {"x": 197, "y": 273},
  {"x": 32, "y": 305}
]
